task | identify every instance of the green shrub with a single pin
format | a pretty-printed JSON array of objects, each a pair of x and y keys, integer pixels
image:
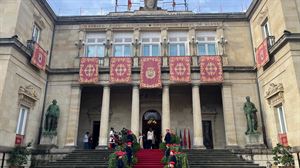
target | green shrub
[
  {"x": 19, "y": 155},
  {"x": 282, "y": 155}
]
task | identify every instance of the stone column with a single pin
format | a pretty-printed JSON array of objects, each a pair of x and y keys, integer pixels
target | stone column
[
  {"x": 165, "y": 109},
  {"x": 135, "y": 110},
  {"x": 197, "y": 118},
  {"x": 103, "y": 136},
  {"x": 73, "y": 117},
  {"x": 229, "y": 121}
]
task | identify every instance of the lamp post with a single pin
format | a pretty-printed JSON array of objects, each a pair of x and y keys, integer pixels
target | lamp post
[
  {"x": 136, "y": 44},
  {"x": 222, "y": 42},
  {"x": 79, "y": 45},
  {"x": 165, "y": 45},
  {"x": 193, "y": 43},
  {"x": 107, "y": 45}
]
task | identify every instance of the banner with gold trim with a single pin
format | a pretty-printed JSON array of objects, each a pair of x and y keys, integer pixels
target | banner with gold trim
[
  {"x": 180, "y": 69},
  {"x": 120, "y": 69},
  {"x": 211, "y": 69},
  {"x": 262, "y": 54},
  {"x": 150, "y": 75},
  {"x": 39, "y": 57},
  {"x": 89, "y": 70}
]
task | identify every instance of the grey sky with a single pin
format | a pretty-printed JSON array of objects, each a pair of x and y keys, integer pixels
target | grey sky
[{"x": 100, "y": 7}]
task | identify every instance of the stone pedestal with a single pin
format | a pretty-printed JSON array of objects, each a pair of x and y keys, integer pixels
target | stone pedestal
[
  {"x": 254, "y": 141},
  {"x": 49, "y": 140}
]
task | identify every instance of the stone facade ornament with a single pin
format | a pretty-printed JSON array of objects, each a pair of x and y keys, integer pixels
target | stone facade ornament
[
  {"x": 27, "y": 96},
  {"x": 274, "y": 94},
  {"x": 150, "y": 5}
]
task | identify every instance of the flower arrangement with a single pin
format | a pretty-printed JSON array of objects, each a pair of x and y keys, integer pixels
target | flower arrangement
[{"x": 152, "y": 121}]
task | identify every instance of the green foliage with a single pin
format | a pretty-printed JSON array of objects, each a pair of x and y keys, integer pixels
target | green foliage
[
  {"x": 135, "y": 147},
  {"x": 112, "y": 159},
  {"x": 175, "y": 139},
  {"x": 164, "y": 160},
  {"x": 162, "y": 146},
  {"x": 282, "y": 155},
  {"x": 19, "y": 155},
  {"x": 182, "y": 160}
]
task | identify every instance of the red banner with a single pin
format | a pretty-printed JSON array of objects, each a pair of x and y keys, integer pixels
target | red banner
[
  {"x": 88, "y": 70},
  {"x": 211, "y": 69},
  {"x": 120, "y": 69},
  {"x": 283, "y": 139},
  {"x": 180, "y": 69},
  {"x": 19, "y": 139},
  {"x": 39, "y": 57},
  {"x": 150, "y": 74},
  {"x": 262, "y": 54}
]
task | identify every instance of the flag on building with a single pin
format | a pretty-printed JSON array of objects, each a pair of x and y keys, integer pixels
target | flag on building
[
  {"x": 180, "y": 69},
  {"x": 88, "y": 70},
  {"x": 39, "y": 57},
  {"x": 129, "y": 5},
  {"x": 262, "y": 54},
  {"x": 184, "y": 139},
  {"x": 120, "y": 69},
  {"x": 211, "y": 69},
  {"x": 150, "y": 75},
  {"x": 189, "y": 138},
  {"x": 180, "y": 136}
]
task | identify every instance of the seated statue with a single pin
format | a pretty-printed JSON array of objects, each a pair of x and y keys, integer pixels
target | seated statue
[
  {"x": 250, "y": 112},
  {"x": 52, "y": 115}
]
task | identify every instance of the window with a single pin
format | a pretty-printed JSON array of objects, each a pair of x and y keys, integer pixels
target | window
[
  {"x": 94, "y": 45},
  {"x": 36, "y": 33},
  {"x": 206, "y": 43},
  {"x": 22, "y": 120},
  {"x": 281, "y": 119},
  {"x": 178, "y": 44},
  {"x": 150, "y": 44},
  {"x": 122, "y": 44},
  {"x": 266, "y": 29}
]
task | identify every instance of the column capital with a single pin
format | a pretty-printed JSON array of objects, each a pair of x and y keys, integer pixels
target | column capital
[
  {"x": 105, "y": 85},
  {"x": 227, "y": 84},
  {"x": 195, "y": 84},
  {"x": 135, "y": 85},
  {"x": 166, "y": 85}
]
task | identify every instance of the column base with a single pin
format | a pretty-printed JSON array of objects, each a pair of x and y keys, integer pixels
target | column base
[
  {"x": 199, "y": 147},
  {"x": 103, "y": 147},
  {"x": 232, "y": 147}
]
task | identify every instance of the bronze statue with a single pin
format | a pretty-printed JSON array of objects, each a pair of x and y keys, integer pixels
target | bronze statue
[
  {"x": 52, "y": 116},
  {"x": 250, "y": 112}
]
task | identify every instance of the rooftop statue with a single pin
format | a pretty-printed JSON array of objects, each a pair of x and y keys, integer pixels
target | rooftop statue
[{"x": 150, "y": 5}]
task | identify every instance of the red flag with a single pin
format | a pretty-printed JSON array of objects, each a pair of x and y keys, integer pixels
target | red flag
[
  {"x": 88, "y": 70},
  {"x": 262, "y": 54},
  {"x": 129, "y": 4},
  {"x": 189, "y": 138},
  {"x": 150, "y": 74},
  {"x": 174, "y": 4},
  {"x": 39, "y": 57},
  {"x": 184, "y": 139},
  {"x": 211, "y": 69},
  {"x": 283, "y": 139},
  {"x": 19, "y": 139},
  {"x": 120, "y": 69},
  {"x": 180, "y": 69}
]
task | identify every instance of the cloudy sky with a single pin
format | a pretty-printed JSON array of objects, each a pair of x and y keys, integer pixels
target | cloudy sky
[{"x": 100, "y": 7}]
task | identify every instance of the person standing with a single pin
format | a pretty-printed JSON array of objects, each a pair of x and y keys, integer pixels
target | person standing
[
  {"x": 141, "y": 140},
  {"x": 150, "y": 137},
  {"x": 168, "y": 137},
  {"x": 128, "y": 150},
  {"x": 90, "y": 141},
  {"x": 86, "y": 140}
]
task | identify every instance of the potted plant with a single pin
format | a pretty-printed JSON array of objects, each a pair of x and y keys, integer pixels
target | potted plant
[
  {"x": 283, "y": 157},
  {"x": 18, "y": 157}
]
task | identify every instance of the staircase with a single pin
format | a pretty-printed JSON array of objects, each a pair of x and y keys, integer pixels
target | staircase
[
  {"x": 217, "y": 159},
  {"x": 149, "y": 158},
  {"x": 82, "y": 159}
]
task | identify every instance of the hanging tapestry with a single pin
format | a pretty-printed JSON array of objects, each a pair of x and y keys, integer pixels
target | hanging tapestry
[
  {"x": 88, "y": 70},
  {"x": 180, "y": 69},
  {"x": 39, "y": 57},
  {"x": 120, "y": 69},
  {"x": 262, "y": 54},
  {"x": 211, "y": 69},
  {"x": 150, "y": 75}
]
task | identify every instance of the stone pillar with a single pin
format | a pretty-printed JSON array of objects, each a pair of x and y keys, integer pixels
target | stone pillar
[
  {"x": 135, "y": 110},
  {"x": 197, "y": 118},
  {"x": 103, "y": 135},
  {"x": 229, "y": 121},
  {"x": 165, "y": 109},
  {"x": 73, "y": 117}
]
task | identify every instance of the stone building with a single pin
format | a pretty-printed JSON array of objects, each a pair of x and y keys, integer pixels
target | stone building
[{"x": 211, "y": 111}]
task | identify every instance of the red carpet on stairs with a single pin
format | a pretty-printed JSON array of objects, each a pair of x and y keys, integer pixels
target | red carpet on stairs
[{"x": 149, "y": 158}]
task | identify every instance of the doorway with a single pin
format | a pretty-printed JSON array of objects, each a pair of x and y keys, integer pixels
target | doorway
[
  {"x": 96, "y": 129},
  {"x": 207, "y": 134},
  {"x": 152, "y": 119}
]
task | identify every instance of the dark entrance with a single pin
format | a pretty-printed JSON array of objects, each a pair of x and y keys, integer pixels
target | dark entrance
[
  {"x": 207, "y": 134},
  {"x": 96, "y": 129},
  {"x": 152, "y": 119}
]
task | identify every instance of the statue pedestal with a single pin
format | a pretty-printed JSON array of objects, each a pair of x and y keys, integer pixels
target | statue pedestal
[
  {"x": 49, "y": 140},
  {"x": 254, "y": 141}
]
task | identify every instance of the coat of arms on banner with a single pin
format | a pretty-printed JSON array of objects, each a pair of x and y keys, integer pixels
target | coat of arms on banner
[
  {"x": 180, "y": 69},
  {"x": 88, "y": 70},
  {"x": 150, "y": 74},
  {"x": 211, "y": 69},
  {"x": 39, "y": 57},
  {"x": 262, "y": 54},
  {"x": 120, "y": 69}
]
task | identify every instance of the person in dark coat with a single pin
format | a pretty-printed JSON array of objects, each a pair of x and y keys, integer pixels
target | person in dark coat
[
  {"x": 168, "y": 137},
  {"x": 128, "y": 150},
  {"x": 167, "y": 152},
  {"x": 129, "y": 136},
  {"x": 173, "y": 158},
  {"x": 120, "y": 163}
]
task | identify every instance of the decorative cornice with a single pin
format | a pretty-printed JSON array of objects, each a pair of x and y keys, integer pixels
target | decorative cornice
[
  {"x": 283, "y": 40},
  {"x": 14, "y": 42},
  {"x": 252, "y": 8}
]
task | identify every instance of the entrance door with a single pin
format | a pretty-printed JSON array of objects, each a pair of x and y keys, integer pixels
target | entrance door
[
  {"x": 152, "y": 119},
  {"x": 96, "y": 129},
  {"x": 207, "y": 134}
]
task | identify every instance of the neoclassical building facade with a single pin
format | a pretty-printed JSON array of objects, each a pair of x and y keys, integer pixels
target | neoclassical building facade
[{"x": 209, "y": 111}]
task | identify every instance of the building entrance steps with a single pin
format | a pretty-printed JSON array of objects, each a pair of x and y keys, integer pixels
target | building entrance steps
[{"x": 149, "y": 158}]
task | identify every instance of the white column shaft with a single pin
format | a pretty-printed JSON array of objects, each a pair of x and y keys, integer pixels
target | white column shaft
[
  {"x": 197, "y": 118},
  {"x": 165, "y": 109},
  {"x": 104, "y": 117},
  {"x": 135, "y": 110}
]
